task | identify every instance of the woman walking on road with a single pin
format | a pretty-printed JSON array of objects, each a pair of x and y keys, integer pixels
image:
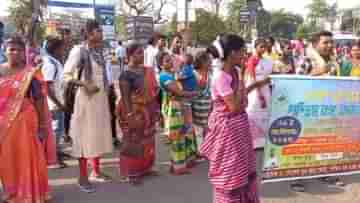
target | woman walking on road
[
  {"x": 138, "y": 112},
  {"x": 183, "y": 147},
  {"x": 23, "y": 125},
  {"x": 228, "y": 144}
]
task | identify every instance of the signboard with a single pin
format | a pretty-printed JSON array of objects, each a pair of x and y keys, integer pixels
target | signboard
[
  {"x": 139, "y": 27},
  {"x": 314, "y": 128},
  {"x": 106, "y": 16},
  {"x": 245, "y": 15}
]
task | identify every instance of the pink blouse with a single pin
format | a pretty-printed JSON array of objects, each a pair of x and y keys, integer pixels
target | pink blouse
[{"x": 221, "y": 85}]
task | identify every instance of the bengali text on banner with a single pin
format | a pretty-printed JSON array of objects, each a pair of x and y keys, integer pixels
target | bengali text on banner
[{"x": 314, "y": 128}]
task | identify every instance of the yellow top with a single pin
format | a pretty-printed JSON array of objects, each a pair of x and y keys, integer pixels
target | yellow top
[
  {"x": 355, "y": 71},
  {"x": 272, "y": 56}
]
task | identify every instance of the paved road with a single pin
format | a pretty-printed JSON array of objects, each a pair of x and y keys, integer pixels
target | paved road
[
  {"x": 192, "y": 188},
  {"x": 187, "y": 189}
]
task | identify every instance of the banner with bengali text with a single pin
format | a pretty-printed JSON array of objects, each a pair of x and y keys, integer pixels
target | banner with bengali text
[{"x": 314, "y": 129}]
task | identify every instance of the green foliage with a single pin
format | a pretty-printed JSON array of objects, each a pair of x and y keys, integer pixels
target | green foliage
[
  {"x": 303, "y": 32},
  {"x": 173, "y": 26},
  {"x": 120, "y": 26},
  {"x": 206, "y": 27},
  {"x": 318, "y": 9},
  {"x": 21, "y": 16},
  {"x": 284, "y": 24},
  {"x": 263, "y": 23},
  {"x": 233, "y": 23},
  {"x": 170, "y": 28}
]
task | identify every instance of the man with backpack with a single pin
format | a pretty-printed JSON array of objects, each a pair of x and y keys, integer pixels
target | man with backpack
[{"x": 52, "y": 70}]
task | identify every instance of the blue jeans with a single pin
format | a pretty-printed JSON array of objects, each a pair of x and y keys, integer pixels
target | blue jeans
[{"x": 58, "y": 125}]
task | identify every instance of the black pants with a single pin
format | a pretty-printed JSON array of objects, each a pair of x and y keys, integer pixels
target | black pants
[
  {"x": 112, "y": 107},
  {"x": 67, "y": 121}
]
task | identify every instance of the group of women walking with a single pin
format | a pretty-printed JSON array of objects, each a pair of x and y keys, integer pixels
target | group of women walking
[{"x": 225, "y": 109}]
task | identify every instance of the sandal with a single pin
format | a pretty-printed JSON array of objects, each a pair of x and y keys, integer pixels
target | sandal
[
  {"x": 87, "y": 188},
  {"x": 101, "y": 178},
  {"x": 124, "y": 179},
  {"x": 136, "y": 181}
]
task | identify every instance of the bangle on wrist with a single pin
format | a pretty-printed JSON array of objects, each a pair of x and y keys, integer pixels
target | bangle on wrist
[{"x": 130, "y": 114}]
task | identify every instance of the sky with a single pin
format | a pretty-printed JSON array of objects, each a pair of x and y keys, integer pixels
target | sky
[{"x": 297, "y": 6}]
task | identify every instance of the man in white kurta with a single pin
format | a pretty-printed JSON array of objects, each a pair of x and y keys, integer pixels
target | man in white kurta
[{"x": 90, "y": 124}]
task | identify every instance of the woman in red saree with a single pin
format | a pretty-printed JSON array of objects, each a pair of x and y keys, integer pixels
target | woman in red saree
[
  {"x": 23, "y": 124},
  {"x": 138, "y": 112}
]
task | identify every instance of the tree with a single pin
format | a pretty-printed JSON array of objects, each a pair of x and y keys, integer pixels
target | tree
[
  {"x": 263, "y": 23},
  {"x": 215, "y": 5},
  {"x": 172, "y": 26},
  {"x": 284, "y": 24},
  {"x": 233, "y": 20},
  {"x": 145, "y": 7},
  {"x": 120, "y": 25},
  {"x": 318, "y": 9},
  {"x": 206, "y": 27},
  {"x": 303, "y": 31},
  {"x": 22, "y": 15}
]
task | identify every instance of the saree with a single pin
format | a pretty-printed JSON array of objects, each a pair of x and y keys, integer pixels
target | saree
[
  {"x": 183, "y": 145},
  {"x": 49, "y": 144},
  {"x": 137, "y": 154},
  {"x": 23, "y": 169},
  {"x": 228, "y": 147}
]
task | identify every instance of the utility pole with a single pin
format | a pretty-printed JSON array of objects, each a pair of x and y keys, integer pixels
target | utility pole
[
  {"x": 34, "y": 20},
  {"x": 94, "y": 5},
  {"x": 186, "y": 14},
  {"x": 187, "y": 25}
]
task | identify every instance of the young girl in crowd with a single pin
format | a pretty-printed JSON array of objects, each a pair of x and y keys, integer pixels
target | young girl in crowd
[{"x": 201, "y": 105}]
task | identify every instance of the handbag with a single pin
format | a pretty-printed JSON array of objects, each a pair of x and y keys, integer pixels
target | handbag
[{"x": 71, "y": 87}]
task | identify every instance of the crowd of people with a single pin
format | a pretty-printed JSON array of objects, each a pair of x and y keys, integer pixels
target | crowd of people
[{"x": 212, "y": 105}]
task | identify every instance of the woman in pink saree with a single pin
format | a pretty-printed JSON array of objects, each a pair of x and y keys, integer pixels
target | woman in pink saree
[{"x": 23, "y": 125}]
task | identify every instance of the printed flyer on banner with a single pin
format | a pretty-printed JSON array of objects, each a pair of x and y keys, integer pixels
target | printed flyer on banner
[{"x": 314, "y": 128}]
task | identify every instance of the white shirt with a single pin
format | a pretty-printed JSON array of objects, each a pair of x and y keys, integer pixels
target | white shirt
[
  {"x": 53, "y": 71},
  {"x": 108, "y": 66},
  {"x": 150, "y": 56},
  {"x": 120, "y": 52}
]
